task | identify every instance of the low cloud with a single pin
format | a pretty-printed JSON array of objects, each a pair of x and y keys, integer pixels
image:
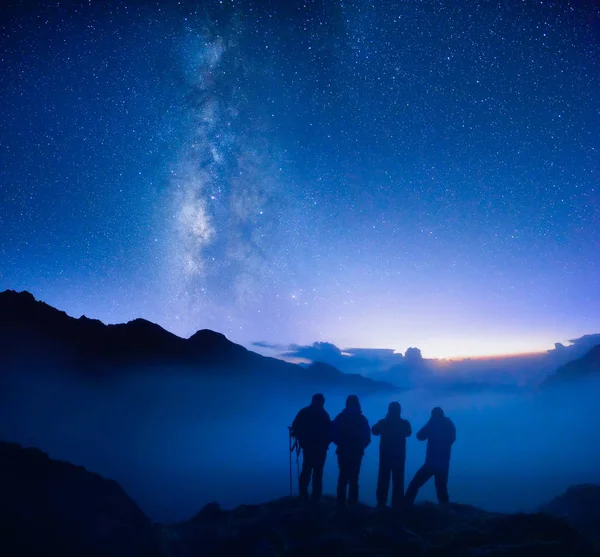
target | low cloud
[
  {"x": 385, "y": 364},
  {"x": 318, "y": 351},
  {"x": 412, "y": 370},
  {"x": 268, "y": 345},
  {"x": 366, "y": 361}
]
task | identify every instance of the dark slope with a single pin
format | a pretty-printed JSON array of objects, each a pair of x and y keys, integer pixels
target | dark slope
[
  {"x": 284, "y": 528},
  {"x": 33, "y": 329},
  {"x": 49, "y": 507},
  {"x": 55, "y": 508},
  {"x": 586, "y": 366},
  {"x": 24, "y": 320},
  {"x": 580, "y": 506}
]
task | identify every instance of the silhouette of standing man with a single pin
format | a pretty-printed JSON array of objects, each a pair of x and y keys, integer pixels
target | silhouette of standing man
[
  {"x": 352, "y": 435},
  {"x": 440, "y": 434},
  {"x": 312, "y": 429},
  {"x": 392, "y": 455}
]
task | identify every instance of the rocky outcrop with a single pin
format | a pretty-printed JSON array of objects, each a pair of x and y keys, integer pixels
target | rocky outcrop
[
  {"x": 286, "y": 528},
  {"x": 580, "y": 506},
  {"x": 48, "y": 507}
]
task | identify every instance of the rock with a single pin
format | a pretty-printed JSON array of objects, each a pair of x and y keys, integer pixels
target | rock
[
  {"x": 288, "y": 528},
  {"x": 49, "y": 507},
  {"x": 211, "y": 511},
  {"x": 580, "y": 506}
]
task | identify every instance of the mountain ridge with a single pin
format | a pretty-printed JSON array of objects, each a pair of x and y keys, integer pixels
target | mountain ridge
[{"x": 29, "y": 326}]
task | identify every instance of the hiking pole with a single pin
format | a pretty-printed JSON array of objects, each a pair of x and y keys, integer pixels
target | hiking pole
[
  {"x": 291, "y": 447},
  {"x": 298, "y": 449}
]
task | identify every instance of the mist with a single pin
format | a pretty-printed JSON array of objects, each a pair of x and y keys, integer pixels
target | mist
[{"x": 176, "y": 441}]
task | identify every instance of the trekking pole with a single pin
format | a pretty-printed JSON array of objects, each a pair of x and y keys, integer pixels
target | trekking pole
[
  {"x": 291, "y": 449},
  {"x": 298, "y": 449}
]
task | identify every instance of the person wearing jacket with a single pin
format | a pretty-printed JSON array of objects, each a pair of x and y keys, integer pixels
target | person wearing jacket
[
  {"x": 440, "y": 434},
  {"x": 352, "y": 435},
  {"x": 312, "y": 429},
  {"x": 393, "y": 431}
]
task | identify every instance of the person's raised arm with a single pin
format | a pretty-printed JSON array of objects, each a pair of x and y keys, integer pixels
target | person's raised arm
[
  {"x": 377, "y": 429},
  {"x": 423, "y": 433}
]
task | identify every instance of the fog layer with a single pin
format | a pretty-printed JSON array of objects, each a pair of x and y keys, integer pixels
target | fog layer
[{"x": 176, "y": 441}]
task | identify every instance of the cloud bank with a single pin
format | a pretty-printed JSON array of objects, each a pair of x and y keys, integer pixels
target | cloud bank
[{"x": 412, "y": 370}]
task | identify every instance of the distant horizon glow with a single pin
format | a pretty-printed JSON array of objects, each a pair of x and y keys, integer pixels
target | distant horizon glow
[
  {"x": 436, "y": 351},
  {"x": 487, "y": 350},
  {"x": 408, "y": 176}
]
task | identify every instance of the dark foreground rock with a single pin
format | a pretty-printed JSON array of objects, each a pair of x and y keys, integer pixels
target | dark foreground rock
[
  {"x": 48, "y": 507},
  {"x": 286, "y": 528},
  {"x": 52, "y": 508},
  {"x": 580, "y": 506}
]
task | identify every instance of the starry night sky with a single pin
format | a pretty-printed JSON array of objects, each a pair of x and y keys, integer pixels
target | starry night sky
[{"x": 368, "y": 173}]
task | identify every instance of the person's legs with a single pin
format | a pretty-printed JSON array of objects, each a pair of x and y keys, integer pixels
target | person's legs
[
  {"x": 317, "y": 475},
  {"x": 305, "y": 474},
  {"x": 423, "y": 474},
  {"x": 441, "y": 486},
  {"x": 342, "y": 479},
  {"x": 398, "y": 486},
  {"x": 383, "y": 481},
  {"x": 353, "y": 474}
]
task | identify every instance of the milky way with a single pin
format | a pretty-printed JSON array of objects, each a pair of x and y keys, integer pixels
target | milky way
[
  {"x": 224, "y": 187},
  {"x": 386, "y": 175}
]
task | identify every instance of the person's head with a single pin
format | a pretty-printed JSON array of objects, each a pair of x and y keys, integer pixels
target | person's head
[
  {"x": 394, "y": 409},
  {"x": 318, "y": 400},
  {"x": 353, "y": 402},
  {"x": 437, "y": 413}
]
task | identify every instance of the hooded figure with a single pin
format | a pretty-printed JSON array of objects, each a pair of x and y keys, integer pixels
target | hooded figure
[
  {"x": 392, "y": 455},
  {"x": 352, "y": 435},
  {"x": 312, "y": 429},
  {"x": 440, "y": 434}
]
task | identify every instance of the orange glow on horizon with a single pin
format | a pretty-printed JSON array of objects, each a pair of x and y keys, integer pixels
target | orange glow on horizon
[
  {"x": 494, "y": 356},
  {"x": 484, "y": 348}
]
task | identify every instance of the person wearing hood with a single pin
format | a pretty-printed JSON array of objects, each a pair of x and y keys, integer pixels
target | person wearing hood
[
  {"x": 393, "y": 431},
  {"x": 352, "y": 435},
  {"x": 440, "y": 434},
  {"x": 312, "y": 429}
]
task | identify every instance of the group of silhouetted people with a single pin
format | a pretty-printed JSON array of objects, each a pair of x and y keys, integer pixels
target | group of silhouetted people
[{"x": 314, "y": 431}]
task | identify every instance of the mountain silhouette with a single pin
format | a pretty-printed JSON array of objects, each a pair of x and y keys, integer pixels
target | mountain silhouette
[
  {"x": 586, "y": 366},
  {"x": 31, "y": 330}
]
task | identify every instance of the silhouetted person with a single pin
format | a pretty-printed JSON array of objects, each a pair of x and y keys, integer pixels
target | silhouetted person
[
  {"x": 440, "y": 434},
  {"x": 312, "y": 429},
  {"x": 352, "y": 435},
  {"x": 392, "y": 455}
]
